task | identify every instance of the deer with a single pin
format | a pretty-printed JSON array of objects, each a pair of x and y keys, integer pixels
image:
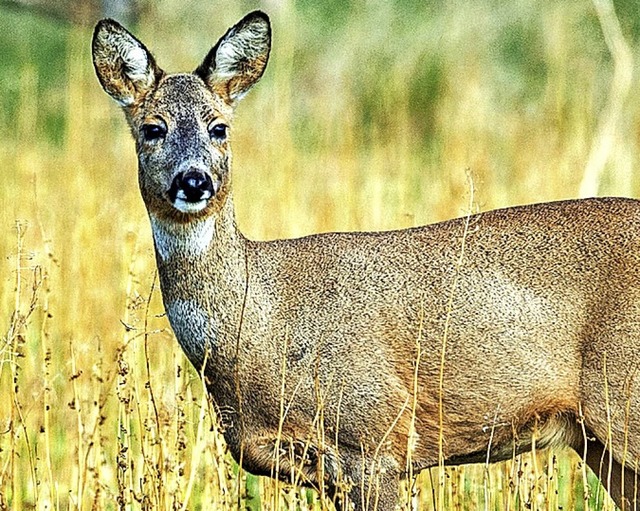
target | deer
[{"x": 345, "y": 361}]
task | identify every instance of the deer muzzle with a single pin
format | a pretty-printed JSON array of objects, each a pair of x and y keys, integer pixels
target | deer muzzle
[{"x": 190, "y": 191}]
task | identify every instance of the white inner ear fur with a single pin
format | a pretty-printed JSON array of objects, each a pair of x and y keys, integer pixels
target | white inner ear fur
[
  {"x": 137, "y": 68},
  {"x": 249, "y": 43},
  {"x": 227, "y": 58},
  {"x": 137, "y": 61}
]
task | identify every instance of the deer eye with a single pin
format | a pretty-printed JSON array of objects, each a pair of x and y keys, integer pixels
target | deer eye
[
  {"x": 153, "y": 131},
  {"x": 218, "y": 131}
]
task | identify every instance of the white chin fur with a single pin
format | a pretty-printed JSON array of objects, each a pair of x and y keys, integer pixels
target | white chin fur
[{"x": 189, "y": 207}]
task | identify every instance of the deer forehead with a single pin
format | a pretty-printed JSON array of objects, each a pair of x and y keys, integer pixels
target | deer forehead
[{"x": 185, "y": 95}]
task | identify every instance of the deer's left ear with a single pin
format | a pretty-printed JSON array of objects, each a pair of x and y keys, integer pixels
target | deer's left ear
[{"x": 239, "y": 58}]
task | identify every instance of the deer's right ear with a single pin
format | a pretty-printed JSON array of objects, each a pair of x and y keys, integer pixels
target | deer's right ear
[{"x": 125, "y": 68}]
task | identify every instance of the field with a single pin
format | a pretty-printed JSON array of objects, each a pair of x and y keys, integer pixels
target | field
[{"x": 371, "y": 115}]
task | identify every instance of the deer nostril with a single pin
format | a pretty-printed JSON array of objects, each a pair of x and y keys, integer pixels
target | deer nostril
[
  {"x": 191, "y": 186},
  {"x": 194, "y": 181}
]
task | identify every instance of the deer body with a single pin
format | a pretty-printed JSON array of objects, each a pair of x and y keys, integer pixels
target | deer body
[{"x": 341, "y": 359}]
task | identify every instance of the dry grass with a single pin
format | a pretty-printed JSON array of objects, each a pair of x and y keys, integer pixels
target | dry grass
[{"x": 368, "y": 118}]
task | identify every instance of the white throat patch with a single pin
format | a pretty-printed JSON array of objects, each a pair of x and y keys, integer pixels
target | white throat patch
[{"x": 190, "y": 239}]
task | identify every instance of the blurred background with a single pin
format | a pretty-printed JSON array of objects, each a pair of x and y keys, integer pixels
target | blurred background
[{"x": 372, "y": 114}]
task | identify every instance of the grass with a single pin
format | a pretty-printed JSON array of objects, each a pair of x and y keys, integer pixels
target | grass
[{"x": 370, "y": 116}]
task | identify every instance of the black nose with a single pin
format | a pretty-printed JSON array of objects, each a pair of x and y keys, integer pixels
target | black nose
[{"x": 191, "y": 186}]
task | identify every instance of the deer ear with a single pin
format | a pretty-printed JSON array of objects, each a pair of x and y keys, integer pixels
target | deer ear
[
  {"x": 125, "y": 68},
  {"x": 239, "y": 58}
]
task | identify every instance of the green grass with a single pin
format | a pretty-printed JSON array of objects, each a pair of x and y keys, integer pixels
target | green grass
[{"x": 371, "y": 116}]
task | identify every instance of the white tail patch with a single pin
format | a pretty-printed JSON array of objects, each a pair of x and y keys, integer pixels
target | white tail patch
[{"x": 190, "y": 239}]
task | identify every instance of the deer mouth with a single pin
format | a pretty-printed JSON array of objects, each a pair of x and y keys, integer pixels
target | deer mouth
[{"x": 191, "y": 191}]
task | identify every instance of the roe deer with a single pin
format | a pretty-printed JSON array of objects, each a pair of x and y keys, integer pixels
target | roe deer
[{"x": 344, "y": 360}]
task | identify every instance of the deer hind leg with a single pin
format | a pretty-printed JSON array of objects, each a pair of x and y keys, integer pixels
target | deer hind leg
[
  {"x": 611, "y": 408},
  {"x": 613, "y": 443},
  {"x": 621, "y": 482}
]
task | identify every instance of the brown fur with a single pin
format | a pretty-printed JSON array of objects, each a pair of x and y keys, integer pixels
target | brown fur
[{"x": 311, "y": 344}]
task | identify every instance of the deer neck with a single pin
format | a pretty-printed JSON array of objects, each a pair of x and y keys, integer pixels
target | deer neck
[
  {"x": 177, "y": 242},
  {"x": 202, "y": 270}
]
